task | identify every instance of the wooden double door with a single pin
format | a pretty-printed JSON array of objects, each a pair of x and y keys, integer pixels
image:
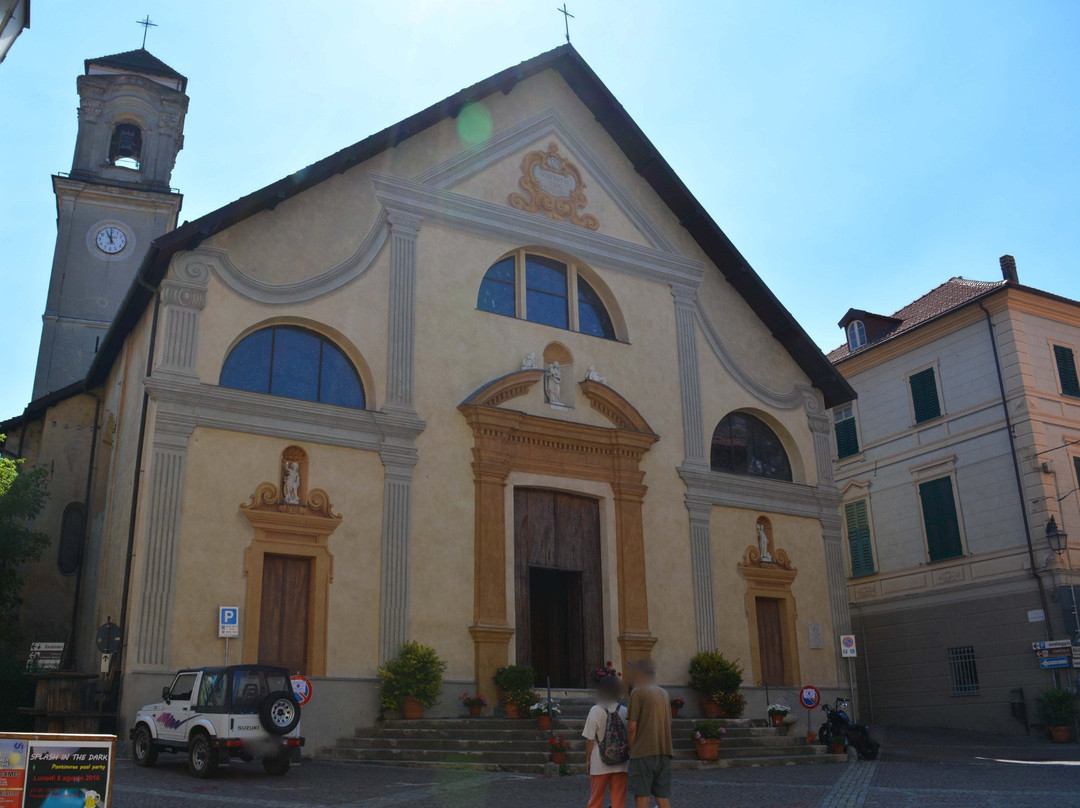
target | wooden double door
[
  {"x": 285, "y": 617},
  {"x": 559, "y": 590}
]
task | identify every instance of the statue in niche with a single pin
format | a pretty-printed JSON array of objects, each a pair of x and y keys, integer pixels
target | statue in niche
[
  {"x": 291, "y": 484},
  {"x": 529, "y": 362},
  {"x": 553, "y": 383},
  {"x": 592, "y": 375},
  {"x": 763, "y": 544}
]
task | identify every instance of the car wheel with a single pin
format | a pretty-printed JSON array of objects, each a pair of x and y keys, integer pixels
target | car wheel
[
  {"x": 143, "y": 750},
  {"x": 276, "y": 765},
  {"x": 202, "y": 757},
  {"x": 279, "y": 713}
]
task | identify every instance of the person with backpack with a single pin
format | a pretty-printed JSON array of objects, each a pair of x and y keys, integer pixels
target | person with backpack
[{"x": 607, "y": 745}]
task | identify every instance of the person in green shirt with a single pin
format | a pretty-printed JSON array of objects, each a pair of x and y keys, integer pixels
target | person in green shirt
[{"x": 649, "y": 730}]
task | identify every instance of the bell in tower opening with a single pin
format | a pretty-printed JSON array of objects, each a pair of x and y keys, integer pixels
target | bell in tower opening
[{"x": 126, "y": 145}]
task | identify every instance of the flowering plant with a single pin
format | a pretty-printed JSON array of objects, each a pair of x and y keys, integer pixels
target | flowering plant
[
  {"x": 522, "y": 699},
  {"x": 558, "y": 746},
  {"x": 602, "y": 671},
  {"x": 473, "y": 701},
  {"x": 732, "y": 703},
  {"x": 544, "y": 708},
  {"x": 779, "y": 709},
  {"x": 709, "y": 730},
  {"x": 678, "y": 703}
]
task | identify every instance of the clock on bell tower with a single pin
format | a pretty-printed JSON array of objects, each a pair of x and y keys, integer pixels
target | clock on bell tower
[{"x": 114, "y": 202}]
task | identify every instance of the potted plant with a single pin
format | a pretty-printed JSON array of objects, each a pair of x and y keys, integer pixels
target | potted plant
[
  {"x": 603, "y": 671},
  {"x": 543, "y": 712},
  {"x": 515, "y": 683},
  {"x": 411, "y": 681},
  {"x": 676, "y": 705},
  {"x": 731, "y": 703},
  {"x": 474, "y": 704},
  {"x": 777, "y": 714},
  {"x": 710, "y": 673},
  {"x": 559, "y": 748},
  {"x": 1057, "y": 710},
  {"x": 707, "y": 737},
  {"x": 838, "y": 744}
]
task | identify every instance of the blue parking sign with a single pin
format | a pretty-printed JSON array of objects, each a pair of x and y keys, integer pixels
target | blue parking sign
[{"x": 228, "y": 621}]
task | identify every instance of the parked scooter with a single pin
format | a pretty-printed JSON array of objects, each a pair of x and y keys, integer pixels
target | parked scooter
[{"x": 839, "y": 725}]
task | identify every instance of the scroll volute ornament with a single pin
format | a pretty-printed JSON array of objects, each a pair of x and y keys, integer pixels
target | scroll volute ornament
[
  {"x": 765, "y": 555},
  {"x": 293, "y": 496},
  {"x": 553, "y": 186}
]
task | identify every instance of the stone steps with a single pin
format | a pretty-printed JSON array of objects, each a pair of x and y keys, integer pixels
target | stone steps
[{"x": 498, "y": 744}]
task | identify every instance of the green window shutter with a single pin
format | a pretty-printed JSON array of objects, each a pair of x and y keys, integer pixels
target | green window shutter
[
  {"x": 858, "y": 530},
  {"x": 924, "y": 395},
  {"x": 847, "y": 440},
  {"x": 939, "y": 516},
  {"x": 1076, "y": 464},
  {"x": 1066, "y": 365}
]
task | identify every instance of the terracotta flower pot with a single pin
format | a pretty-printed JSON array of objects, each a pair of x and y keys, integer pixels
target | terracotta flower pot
[
  {"x": 674, "y": 711},
  {"x": 710, "y": 708},
  {"x": 811, "y": 737},
  {"x": 411, "y": 708},
  {"x": 1059, "y": 734},
  {"x": 838, "y": 748},
  {"x": 558, "y": 758},
  {"x": 544, "y": 722},
  {"x": 512, "y": 711},
  {"x": 708, "y": 749},
  {"x": 474, "y": 709},
  {"x": 777, "y": 720}
]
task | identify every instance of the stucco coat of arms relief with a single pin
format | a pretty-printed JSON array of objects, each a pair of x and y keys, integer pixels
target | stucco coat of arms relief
[{"x": 553, "y": 186}]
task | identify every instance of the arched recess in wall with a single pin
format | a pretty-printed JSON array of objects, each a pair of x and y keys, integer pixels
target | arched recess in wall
[
  {"x": 551, "y": 287},
  {"x": 752, "y": 442},
  {"x": 70, "y": 545},
  {"x": 331, "y": 335}
]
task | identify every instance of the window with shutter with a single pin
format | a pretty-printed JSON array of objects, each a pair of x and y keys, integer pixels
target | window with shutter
[
  {"x": 858, "y": 530},
  {"x": 847, "y": 438},
  {"x": 924, "y": 395},
  {"x": 1076, "y": 465},
  {"x": 1066, "y": 365},
  {"x": 940, "y": 519}
]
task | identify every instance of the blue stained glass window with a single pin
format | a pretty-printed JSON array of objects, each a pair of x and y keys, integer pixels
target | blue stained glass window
[
  {"x": 546, "y": 299},
  {"x": 744, "y": 444},
  {"x": 293, "y": 363},
  {"x": 593, "y": 318},
  {"x": 497, "y": 291}
]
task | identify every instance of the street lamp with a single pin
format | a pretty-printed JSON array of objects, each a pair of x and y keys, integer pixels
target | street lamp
[{"x": 1057, "y": 539}]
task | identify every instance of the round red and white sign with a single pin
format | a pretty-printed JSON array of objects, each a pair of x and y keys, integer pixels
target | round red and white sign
[
  {"x": 810, "y": 697},
  {"x": 301, "y": 688},
  {"x": 848, "y": 641}
]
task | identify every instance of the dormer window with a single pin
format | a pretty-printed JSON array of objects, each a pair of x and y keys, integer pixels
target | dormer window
[
  {"x": 125, "y": 148},
  {"x": 856, "y": 335}
]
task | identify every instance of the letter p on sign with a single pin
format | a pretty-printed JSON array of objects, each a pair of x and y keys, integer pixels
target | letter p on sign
[{"x": 228, "y": 621}]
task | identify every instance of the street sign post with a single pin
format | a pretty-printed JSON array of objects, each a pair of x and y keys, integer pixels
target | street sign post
[
  {"x": 1050, "y": 645},
  {"x": 228, "y": 625},
  {"x": 809, "y": 697},
  {"x": 847, "y": 646},
  {"x": 1051, "y": 663}
]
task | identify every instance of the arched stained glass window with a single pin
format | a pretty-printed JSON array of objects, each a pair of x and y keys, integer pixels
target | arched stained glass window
[
  {"x": 293, "y": 362},
  {"x": 555, "y": 294},
  {"x": 744, "y": 444}
]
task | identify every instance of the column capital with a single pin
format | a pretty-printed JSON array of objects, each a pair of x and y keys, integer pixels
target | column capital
[
  {"x": 684, "y": 295},
  {"x": 404, "y": 224}
]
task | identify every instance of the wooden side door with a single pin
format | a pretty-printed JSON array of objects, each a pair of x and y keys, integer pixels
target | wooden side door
[
  {"x": 770, "y": 641},
  {"x": 285, "y": 615}
]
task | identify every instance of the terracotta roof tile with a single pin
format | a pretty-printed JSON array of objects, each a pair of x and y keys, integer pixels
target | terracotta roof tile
[{"x": 952, "y": 294}]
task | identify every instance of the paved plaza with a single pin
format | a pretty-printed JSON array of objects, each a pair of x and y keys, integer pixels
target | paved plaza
[{"x": 926, "y": 768}]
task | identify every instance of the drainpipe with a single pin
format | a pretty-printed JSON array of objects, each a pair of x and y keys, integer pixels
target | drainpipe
[
  {"x": 1016, "y": 471},
  {"x": 124, "y": 603},
  {"x": 73, "y": 633}
]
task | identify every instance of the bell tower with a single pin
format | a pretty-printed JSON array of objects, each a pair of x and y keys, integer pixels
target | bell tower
[{"x": 116, "y": 200}]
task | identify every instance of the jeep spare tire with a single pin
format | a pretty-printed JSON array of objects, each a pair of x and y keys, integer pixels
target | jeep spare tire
[{"x": 279, "y": 712}]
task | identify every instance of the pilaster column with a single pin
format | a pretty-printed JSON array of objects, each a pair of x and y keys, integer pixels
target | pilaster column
[
  {"x": 689, "y": 374},
  {"x": 635, "y": 639},
  {"x": 702, "y": 573},
  {"x": 183, "y": 296},
  {"x": 164, "y": 497},
  {"x": 836, "y": 569},
  {"x": 818, "y": 420},
  {"x": 399, "y": 361},
  {"x": 398, "y": 461}
]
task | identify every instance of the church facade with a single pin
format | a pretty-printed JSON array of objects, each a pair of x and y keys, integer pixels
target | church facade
[{"x": 492, "y": 380}]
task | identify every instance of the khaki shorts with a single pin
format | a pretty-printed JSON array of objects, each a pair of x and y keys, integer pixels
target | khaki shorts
[{"x": 651, "y": 776}]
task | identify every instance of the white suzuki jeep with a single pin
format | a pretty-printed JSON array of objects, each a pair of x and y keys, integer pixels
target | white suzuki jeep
[{"x": 246, "y": 711}]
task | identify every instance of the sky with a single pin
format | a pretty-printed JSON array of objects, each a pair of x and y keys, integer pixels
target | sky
[{"x": 857, "y": 153}]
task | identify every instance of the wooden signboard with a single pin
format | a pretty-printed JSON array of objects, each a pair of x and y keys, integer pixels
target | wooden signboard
[{"x": 45, "y": 769}]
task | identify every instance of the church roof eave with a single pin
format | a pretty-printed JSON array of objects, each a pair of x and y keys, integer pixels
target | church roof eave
[{"x": 611, "y": 115}]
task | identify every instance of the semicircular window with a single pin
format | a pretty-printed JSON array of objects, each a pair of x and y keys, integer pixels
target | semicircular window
[
  {"x": 293, "y": 362},
  {"x": 744, "y": 444}
]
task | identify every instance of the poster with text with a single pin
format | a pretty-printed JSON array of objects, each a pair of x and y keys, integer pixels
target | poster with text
[
  {"x": 67, "y": 774},
  {"x": 12, "y": 772}
]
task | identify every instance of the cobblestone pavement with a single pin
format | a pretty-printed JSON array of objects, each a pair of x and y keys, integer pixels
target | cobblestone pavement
[{"x": 916, "y": 770}]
